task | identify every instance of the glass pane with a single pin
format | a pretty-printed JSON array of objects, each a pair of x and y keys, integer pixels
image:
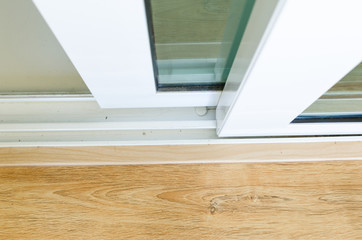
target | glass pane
[
  {"x": 31, "y": 60},
  {"x": 195, "y": 41},
  {"x": 342, "y": 102}
]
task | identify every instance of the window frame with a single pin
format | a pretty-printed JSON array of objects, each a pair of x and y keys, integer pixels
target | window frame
[
  {"x": 113, "y": 56},
  {"x": 253, "y": 105},
  {"x": 230, "y": 119}
]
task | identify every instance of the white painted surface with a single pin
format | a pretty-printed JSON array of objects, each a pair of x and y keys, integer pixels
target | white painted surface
[
  {"x": 108, "y": 43},
  {"x": 301, "y": 129},
  {"x": 310, "y": 47},
  {"x": 83, "y": 123}
]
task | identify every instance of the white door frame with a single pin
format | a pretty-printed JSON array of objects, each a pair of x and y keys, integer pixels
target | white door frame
[
  {"x": 236, "y": 115},
  {"x": 108, "y": 43},
  {"x": 305, "y": 50}
]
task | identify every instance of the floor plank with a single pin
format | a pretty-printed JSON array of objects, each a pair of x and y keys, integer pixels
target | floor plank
[
  {"x": 111, "y": 155},
  {"x": 310, "y": 200}
]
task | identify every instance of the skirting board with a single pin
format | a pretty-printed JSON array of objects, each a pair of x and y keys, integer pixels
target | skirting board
[{"x": 175, "y": 154}]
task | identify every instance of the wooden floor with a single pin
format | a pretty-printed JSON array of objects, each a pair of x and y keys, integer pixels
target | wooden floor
[
  {"x": 301, "y": 200},
  {"x": 166, "y": 154}
]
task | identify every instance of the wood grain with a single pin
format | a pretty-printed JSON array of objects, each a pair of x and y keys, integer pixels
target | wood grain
[
  {"x": 181, "y": 153},
  {"x": 315, "y": 200}
]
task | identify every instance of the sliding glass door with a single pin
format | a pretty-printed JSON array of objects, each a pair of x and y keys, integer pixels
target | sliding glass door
[
  {"x": 300, "y": 60},
  {"x": 272, "y": 67},
  {"x": 195, "y": 41}
]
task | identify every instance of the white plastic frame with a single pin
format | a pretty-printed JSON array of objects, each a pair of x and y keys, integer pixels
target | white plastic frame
[
  {"x": 266, "y": 89},
  {"x": 108, "y": 43},
  {"x": 304, "y": 50}
]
